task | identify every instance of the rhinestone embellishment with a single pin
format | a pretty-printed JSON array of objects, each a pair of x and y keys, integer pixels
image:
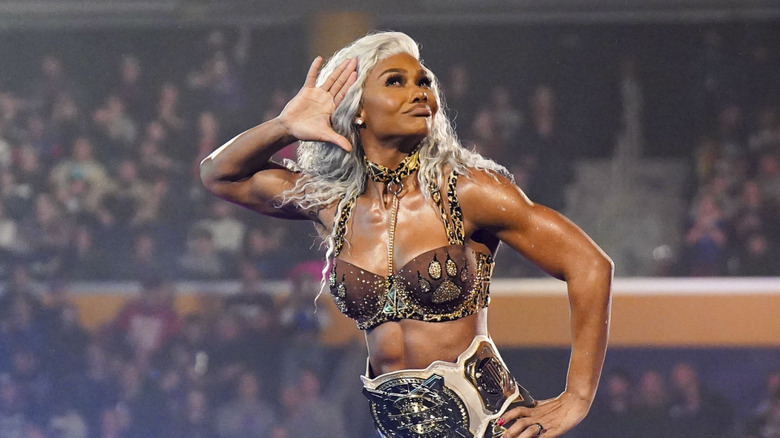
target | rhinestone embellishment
[
  {"x": 452, "y": 269},
  {"x": 447, "y": 291},
  {"x": 434, "y": 269}
]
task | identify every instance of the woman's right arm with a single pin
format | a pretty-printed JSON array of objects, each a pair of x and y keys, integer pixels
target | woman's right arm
[{"x": 241, "y": 170}]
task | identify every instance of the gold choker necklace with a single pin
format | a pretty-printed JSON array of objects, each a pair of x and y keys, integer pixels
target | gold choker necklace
[{"x": 380, "y": 173}]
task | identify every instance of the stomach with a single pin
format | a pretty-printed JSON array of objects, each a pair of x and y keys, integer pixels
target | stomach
[{"x": 412, "y": 344}]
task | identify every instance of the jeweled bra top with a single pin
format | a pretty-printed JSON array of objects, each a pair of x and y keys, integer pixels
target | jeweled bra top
[{"x": 442, "y": 284}]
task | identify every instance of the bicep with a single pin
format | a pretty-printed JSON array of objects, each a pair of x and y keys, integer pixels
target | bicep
[
  {"x": 261, "y": 192},
  {"x": 542, "y": 235}
]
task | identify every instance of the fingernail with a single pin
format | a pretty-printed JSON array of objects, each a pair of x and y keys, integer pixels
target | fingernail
[{"x": 500, "y": 422}]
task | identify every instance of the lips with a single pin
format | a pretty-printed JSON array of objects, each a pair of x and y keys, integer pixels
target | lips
[{"x": 419, "y": 110}]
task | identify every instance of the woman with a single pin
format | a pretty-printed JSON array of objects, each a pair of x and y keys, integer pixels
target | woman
[{"x": 412, "y": 221}]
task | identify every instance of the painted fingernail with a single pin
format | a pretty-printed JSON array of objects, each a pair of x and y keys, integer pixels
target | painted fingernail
[{"x": 500, "y": 422}]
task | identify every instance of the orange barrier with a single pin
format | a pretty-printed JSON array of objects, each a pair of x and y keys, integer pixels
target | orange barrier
[{"x": 646, "y": 312}]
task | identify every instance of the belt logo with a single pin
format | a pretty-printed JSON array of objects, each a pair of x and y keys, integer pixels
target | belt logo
[{"x": 418, "y": 408}]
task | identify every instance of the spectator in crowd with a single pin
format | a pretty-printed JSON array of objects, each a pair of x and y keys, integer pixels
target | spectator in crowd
[
  {"x": 46, "y": 235},
  {"x": 757, "y": 250},
  {"x": 10, "y": 241},
  {"x": 13, "y": 420},
  {"x": 143, "y": 260},
  {"x": 92, "y": 391},
  {"x": 766, "y": 134},
  {"x": 652, "y": 405},
  {"x": 51, "y": 82},
  {"x": 696, "y": 411},
  {"x": 227, "y": 230},
  {"x": 197, "y": 421},
  {"x": 202, "y": 260},
  {"x": 768, "y": 176},
  {"x": 120, "y": 206},
  {"x": 218, "y": 82},
  {"x": 84, "y": 259},
  {"x": 67, "y": 120},
  {"x": 299, "y": 317},
  {"x": 306, "y": 411},
  {"x": 146, "y": 323},
  {"x": 264, "y": 248},
  {"x": 172, "y": 121},
  {"x": 706, "y": 240},
  {"x": 772, "y": 391},
  {"x": 545, "y": 150},
  {"x": 142, "y": 404},
  {"x": 613, "y": 415},
  {"x": 82, "y": 164},
  {"x": 29, "y": 171},
  {"x": 116, "y": 129},
  {"x": 460, "y": 94},
  {"x": 132, "y": 89},
  {"x": 207, "y": 140},
  {"x": 767, "y": 424},
  {"x": 246, "y": 415}
]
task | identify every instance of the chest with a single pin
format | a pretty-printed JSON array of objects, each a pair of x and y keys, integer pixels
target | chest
[{"x": 368, "y": 239}]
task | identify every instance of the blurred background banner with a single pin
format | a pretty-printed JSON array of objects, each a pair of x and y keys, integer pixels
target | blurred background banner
[{"x": 135, "y": 304}]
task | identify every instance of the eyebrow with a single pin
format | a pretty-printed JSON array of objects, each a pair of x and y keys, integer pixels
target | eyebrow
[{"x": 401, "y": 70}]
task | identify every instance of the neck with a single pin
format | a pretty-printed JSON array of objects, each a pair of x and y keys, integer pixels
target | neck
[
  {"x": 383, "y": 180},
  {"x": 389, "y": 153}
]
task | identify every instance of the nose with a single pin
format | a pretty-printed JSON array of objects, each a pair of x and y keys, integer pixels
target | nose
[{"x": 421, "y": 95}]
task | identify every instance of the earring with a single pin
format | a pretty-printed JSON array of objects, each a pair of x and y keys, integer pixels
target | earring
[{"x": 359, "y": 122}]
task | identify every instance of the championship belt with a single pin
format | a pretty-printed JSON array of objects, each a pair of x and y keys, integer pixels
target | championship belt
[{"x": 459, "y": 399}]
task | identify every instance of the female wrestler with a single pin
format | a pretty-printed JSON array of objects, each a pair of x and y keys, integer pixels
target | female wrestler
[{"x": 412, "y": 220}]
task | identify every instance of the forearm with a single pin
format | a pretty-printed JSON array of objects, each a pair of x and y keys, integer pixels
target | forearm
[
  {"x": 245, "y": 154},
  {"x": 590, "y": 302}
]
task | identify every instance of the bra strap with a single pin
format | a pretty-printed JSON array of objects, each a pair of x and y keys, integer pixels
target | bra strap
[
  {"x": 341, "y": 226},
  {"x": 453, "y": 223}
]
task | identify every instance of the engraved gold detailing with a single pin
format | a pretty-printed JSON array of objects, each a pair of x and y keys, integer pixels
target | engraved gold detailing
[
  {"x": 450, "y": 267},
  {"x": 341, "y": 226},
  {"x": 489, "y": 376},
  {"x": 424, "y": 408},
  {"x": 447, "y": 291},
  {"x": 434, "y": 268},
  {"x": 453, "y": 224}
]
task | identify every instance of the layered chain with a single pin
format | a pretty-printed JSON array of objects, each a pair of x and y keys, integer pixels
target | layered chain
[{"x": 394, "y": 181}]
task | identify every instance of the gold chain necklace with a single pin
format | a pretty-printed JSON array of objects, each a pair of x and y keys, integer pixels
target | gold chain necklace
[{"x": 394, "y": 181}]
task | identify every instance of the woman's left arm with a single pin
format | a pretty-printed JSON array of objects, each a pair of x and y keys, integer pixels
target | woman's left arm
[{"x": 562, "y": 249}]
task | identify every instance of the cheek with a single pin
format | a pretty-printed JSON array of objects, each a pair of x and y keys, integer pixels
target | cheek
[{"x": 380, "y": 106}]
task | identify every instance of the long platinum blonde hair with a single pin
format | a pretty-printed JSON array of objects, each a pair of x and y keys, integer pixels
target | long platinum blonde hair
[{"x": 329, "y": 174}]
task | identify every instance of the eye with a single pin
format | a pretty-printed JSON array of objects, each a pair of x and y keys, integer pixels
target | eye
[
  {"x": 425, "y": 81},
  {"x": 395, "y": 79}
]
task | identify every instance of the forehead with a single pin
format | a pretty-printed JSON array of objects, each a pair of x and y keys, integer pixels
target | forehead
[{"x": 400, "y": 61}]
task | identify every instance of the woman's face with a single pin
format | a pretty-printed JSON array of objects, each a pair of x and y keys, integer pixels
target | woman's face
[{"x": 397, "y": 101}]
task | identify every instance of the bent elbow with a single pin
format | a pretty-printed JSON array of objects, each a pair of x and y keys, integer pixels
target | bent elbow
[
  {"x": 208, "y": 176},
  {"x": 606, "y": 265}
]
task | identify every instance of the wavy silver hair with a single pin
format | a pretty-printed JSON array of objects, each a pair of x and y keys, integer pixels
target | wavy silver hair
[{"x": 330, "y": 174}]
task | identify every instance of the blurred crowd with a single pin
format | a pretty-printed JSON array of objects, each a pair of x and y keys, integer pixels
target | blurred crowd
[
  {"x": 735, "y": 196},
  {"x": 101, "y": 183},
  {"x": 678, "y": 405},
  {"x": 248, "y": 365}
]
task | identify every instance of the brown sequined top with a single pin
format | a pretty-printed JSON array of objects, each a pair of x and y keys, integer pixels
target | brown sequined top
[{"x": 442, "y": 284}]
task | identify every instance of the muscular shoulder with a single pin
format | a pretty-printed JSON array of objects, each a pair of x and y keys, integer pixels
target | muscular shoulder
[{"x": 490, "y": 200}]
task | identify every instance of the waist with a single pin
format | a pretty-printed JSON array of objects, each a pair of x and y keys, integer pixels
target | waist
[
  {"x": 415, "y": 344},
  {"x": 460, "y": 399}
]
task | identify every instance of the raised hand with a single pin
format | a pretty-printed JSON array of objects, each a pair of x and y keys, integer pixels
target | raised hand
[{"x": 307, "y": 115}]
